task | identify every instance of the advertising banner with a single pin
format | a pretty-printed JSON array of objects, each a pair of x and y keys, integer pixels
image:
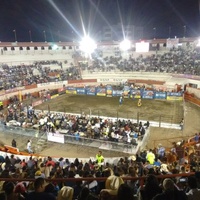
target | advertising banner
[
  {"x": 135, "y": 94},
  {"x": 54, "y": 96},
  {"x": 56, "y": 137},
  {"x": 175, "y": 96},
  {"x": 90, "y": 90},
  {"x": 109, "y": 91},
  {"x": 111, "y": 80},
  {"x": 71, "y": 90},
  {"x": 147, "y": 94},
  {"x": 80, "y": 90},
  {"x": 117, "y": 93},
  {"x": 160, "y": 95},
  {"x": 101, "y": 91},
  {"x": 126, "y": 91}
]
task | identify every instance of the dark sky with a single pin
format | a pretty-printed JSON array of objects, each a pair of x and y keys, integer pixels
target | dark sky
[{"x": 64, "y": 19}]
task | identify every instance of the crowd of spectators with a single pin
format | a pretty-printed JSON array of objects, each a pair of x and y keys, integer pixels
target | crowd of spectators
[
  {"x": 38, "y": 72},
  {"x": 77, "y": 126},
  {"x": 115, "y": 186},
  {"x": 177, "y": 60}
]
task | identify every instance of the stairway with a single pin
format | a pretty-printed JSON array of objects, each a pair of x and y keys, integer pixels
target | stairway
[{"x": 41, "y": 143}]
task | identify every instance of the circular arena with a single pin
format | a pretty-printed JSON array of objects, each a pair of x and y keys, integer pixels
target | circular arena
[{"x": 69, "y": 106}]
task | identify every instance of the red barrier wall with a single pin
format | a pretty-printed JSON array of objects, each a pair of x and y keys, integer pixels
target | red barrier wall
[
  {"x": 192, "y": 99},
  {"x": 30, "y": 86},
  {"x": 148, "y": 82}
]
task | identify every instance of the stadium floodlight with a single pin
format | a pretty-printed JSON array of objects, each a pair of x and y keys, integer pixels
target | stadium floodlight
[
  {"x": 125, "y": 45},
  {"x": 198, "y": 43},
  {"x": 87, "y": 45},
  {"x": 54, "y": 46}
]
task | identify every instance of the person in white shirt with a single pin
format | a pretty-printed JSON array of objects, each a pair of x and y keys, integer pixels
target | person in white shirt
[{"x": 29, "y": 146}]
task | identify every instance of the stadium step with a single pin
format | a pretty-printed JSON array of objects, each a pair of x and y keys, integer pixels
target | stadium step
[{"x": 41, "y": 144}]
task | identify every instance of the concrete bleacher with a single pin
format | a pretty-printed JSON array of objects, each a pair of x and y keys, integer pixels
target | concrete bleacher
[{"x": 18, "y": 59}]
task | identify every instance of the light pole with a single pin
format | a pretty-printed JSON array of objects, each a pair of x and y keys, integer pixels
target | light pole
[
  {"x": 59, "y": 36},
  {"x": 45, "y": 38},
  {"x": 170, "y": 31},
  {"x": 184, "y": 31},
  {"x": 154, "y": 32},
  {"x": 30, "y": 36},
  {"x": 15, "y": 34},
  {"x": 73, "y": 36}
]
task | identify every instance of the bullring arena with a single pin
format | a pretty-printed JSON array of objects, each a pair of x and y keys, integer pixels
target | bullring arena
[{"x": 63, "y": 84}]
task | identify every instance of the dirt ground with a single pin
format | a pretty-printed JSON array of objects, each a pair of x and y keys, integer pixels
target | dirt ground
[
  {"x": 155, "y": 110},
  {"x": 152, "y": 110}
]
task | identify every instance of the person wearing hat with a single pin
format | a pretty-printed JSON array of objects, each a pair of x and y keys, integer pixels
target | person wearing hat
[
  {"x": 38, "y": 174},
  {"x": 164, "y": 169},
  {"x": 170, "y": 192},
  {"x": 39, "y": 193},
  {"x": 112, "y": 185},
  {"x": 66, "y": 193}
]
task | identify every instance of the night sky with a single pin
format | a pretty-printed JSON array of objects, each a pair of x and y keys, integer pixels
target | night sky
[{"x": 64, "y": 19}]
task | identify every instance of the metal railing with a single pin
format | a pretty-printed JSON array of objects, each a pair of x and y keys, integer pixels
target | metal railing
[
  {"x": 141, "y": 179},
  {"x": 23, "y": 134}
]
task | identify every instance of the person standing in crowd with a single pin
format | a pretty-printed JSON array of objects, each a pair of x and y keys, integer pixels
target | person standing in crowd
[
  {"x": 14, "y": 143},
  {"x": 29, "y": 146},
  {"x": 160, "y": 151},
  {"x": 181, "y": 123},
  {"x": 99, "y": 159},
  {"x": 150, "y": 157}
]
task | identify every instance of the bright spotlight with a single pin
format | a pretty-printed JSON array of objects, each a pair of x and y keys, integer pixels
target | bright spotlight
[
  {"x": 87, "y": 45},
  {"x": 54, "y": 47},
  {"x": 125, "y": 45},
  {"x": 198, "y": 44}
]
